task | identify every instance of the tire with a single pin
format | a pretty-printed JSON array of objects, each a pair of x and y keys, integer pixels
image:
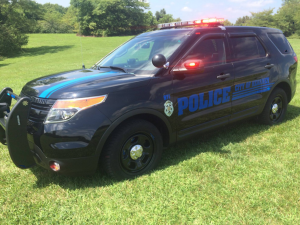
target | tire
[
  {"x": 123, "y": 157},
  {"x": 269, "y": 115}
]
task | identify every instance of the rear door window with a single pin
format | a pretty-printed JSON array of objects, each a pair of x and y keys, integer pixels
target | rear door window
[
  {"x": 281, "y": 43},
  {"x": 245, "y": 48}
]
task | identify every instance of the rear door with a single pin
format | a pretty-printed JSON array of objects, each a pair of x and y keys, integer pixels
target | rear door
[
  {"x": 252, "y": 66},
  {"x": 203, "y": 98}
]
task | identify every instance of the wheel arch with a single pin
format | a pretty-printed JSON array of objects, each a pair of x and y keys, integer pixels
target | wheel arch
[
  {"x": 286, "y": 87},
  {"x": 153, "y": 116}
]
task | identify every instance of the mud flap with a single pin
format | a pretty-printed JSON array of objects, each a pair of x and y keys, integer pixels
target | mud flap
[{"x": 15, "y": 125}]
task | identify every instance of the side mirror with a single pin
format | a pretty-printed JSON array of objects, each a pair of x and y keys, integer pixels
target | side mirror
[
  {"x": 159, "y": 60},
  {"x": 190, "y": 66}
]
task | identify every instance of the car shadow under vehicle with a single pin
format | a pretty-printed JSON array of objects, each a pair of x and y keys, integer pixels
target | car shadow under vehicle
[{"x": 174, "y": 155}]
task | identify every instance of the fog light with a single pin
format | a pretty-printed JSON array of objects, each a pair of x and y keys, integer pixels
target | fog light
[{"x": 55, "y": 166}]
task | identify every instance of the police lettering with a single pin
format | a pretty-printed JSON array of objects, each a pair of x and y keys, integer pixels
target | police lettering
[{"x": 196, "y": 102}]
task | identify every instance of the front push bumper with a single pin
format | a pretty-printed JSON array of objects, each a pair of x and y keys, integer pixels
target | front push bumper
[
  {"x": 24, "y": 153},
  {"x": 13, "y": 128}
]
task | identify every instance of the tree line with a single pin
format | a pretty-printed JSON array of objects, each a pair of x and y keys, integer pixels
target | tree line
[
  {"x": 287, "y": 18},
  {"x": 111, "y": 17},
  {"x": 89, "y": 17}
]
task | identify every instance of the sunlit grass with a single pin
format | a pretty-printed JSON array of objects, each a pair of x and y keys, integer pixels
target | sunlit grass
[{"x": 245, "y": 173}]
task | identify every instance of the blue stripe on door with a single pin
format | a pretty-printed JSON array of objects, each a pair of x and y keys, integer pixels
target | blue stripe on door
[
  {"x": 251, "y": 93},
  {"x": 251, "y": 89}
]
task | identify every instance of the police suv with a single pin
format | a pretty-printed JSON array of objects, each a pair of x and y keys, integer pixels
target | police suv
[{"x": 158, "y": 88}]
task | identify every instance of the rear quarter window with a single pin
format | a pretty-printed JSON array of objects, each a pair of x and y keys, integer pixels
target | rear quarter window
[{"x": 281, "y": 43}]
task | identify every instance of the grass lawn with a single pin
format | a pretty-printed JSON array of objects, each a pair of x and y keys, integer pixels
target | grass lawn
[{"x": 242, "y": 174}]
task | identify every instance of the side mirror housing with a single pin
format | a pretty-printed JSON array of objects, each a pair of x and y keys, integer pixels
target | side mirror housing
[{"x": 159, "y": 60}]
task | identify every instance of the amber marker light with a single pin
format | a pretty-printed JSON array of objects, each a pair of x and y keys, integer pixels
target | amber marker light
[{"x": 78, "y": 103}]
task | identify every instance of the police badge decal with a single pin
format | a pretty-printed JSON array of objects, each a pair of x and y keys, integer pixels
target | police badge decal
[{"x": 169, "y": 108}]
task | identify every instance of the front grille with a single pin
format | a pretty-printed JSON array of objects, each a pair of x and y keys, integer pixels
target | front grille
[
  {"x": 39, "y": 108},
  {"x": 39, "y": 112}
]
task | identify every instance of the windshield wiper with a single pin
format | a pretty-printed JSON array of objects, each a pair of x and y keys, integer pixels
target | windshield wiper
[
  {"x": 114, "y": 68},
  {"x": 118, "y": 68}
]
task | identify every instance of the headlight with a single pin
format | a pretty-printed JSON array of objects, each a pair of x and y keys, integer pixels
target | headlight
[{"x": 63, "y": 110}]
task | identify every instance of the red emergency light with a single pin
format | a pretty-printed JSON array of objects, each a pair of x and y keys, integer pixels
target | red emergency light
[{"x": 192, "y": 64}]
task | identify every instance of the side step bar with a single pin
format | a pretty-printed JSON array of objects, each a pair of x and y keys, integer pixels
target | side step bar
[{"x": 13, "y": 128}]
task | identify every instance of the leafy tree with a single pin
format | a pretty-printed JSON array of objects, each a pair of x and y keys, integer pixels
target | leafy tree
[
  {"x": 168, "y": 18},
  {"x": 48, "y": 7},
  {"x": 150, "y": 21},
  {"x": 160, "y": 14},
  {"x": 262, "y": 19},
  {"x": 288, "y": 18},
  {"x": 284, "y": 2},
  {"x": 56, "y": 19},
  {"x": 69, "y": 20},
  {"x": 11, "y": 40},
  {"x": 243, "y": 21},
  {"x": 13, "y": 22},
  {"x": 227, "y": 23},
  {"x": 51, "y": 22},
  {"x": 111, "y": 17},
  {"x": 32, "y": 12}
]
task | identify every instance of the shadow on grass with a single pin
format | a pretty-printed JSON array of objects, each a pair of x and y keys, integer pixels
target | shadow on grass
[
  {"x": 44, "y": 50},
  {"x": 210, "y": 142},
  {"x": 2, "y": 65}
]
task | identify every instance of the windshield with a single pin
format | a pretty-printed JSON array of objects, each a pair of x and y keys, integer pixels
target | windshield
[{"x": 136, "y": 55}]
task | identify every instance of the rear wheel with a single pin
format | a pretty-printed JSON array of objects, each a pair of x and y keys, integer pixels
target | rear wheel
[
  {"x": 133, "y": 149},
  {"x": 275, "y": 108}
]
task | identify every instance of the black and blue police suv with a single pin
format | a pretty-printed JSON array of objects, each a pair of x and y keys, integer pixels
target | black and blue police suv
[{"x": 157, "y": 89}]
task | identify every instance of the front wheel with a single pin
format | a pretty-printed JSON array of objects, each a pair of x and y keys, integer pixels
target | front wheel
[
  {"x": 134, "y": 149},
  {"x": 275, "y": 108}
]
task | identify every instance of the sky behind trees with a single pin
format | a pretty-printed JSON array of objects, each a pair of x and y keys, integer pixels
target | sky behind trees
[{"x": 197, "y": 9}]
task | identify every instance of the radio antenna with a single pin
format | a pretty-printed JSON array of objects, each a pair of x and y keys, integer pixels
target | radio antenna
[{"x": 83, "y": 66}]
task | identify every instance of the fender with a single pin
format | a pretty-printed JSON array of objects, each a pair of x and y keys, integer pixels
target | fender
[
  {"x": 132, "y": 113},
  {"x": 273, "y": 87}
]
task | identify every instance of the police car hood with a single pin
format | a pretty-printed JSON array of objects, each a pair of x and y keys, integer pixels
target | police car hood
[{"x": 82, "y": 83}]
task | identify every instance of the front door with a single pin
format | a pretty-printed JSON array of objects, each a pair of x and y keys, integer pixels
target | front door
[{"x": 203, "y": 99}]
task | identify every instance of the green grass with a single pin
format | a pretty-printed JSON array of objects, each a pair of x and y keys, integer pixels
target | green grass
[{"x": 245, "y": 173}]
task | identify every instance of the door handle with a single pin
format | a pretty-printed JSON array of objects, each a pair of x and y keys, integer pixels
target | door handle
[
  {"x": 269, "y": 66},
  {"x": 223, "y": 76}
]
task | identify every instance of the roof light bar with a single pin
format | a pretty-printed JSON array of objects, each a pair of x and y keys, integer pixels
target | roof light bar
[{"x": 203, "y": 22}]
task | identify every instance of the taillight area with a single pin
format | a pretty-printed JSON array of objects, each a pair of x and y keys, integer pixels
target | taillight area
[{"x": 296, "y": 58}]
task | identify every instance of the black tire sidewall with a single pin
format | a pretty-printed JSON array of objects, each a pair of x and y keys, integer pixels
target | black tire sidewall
[{"x": 112, "y": 151}]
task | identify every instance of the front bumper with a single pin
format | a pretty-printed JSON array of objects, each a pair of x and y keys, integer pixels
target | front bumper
[
  {"x": 76, "y": 166},
  {"x": 25, "y": 153}
]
